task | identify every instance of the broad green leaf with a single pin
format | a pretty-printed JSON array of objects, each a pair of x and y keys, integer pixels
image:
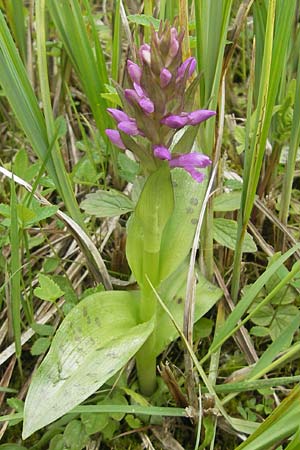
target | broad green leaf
[
  {"x": 172, "y": 293},
  {"x": 225, "y": 232},
  {"x": 228, "y": 201},
  {"x": 47, "y": 290},
  {"x": 107, "y": 204},
  {"x": 94, "y": 341},
  {"x": 179, "y": 232}
]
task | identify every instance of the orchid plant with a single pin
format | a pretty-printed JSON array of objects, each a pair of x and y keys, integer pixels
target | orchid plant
[{"x": 105, "y": 330}]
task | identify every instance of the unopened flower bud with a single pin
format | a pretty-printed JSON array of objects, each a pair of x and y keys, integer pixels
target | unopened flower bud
[
  {"x": 200, "y": 115},
  {"x": 131, "y": 96},
  {"x": 135, "y": 72},
  {"x": 115, "y": 138},
  {"x": 165, "y": 78},
  {"x": 145, "y": 53},
  {"x": 174, "y": 44},
  {"x": 129, "y": 127},
  {"x": 161, "y": 152},
  {"x": 189, "y": 63},
  {"x": 118, "y": 115},
  {"x": 173, "y": 121},
  {"x": 147, "y": 105}
]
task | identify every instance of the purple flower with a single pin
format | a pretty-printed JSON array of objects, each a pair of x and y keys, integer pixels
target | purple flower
[
  {"x": 129, "y": 127},
  {"x": 161, "y": 152},
  {"x": 189, "y": 63},
  {"x": 145, "y": 53},
  {"x": 118, "y": 115},
  {"x": 199, "y": 116},
  {"x": 174, "y": 121},
  {"x": 191, "y": 161},
  {"x": 192, "y": 118},
  {"x": 147, "y": 105},
  {"x": 165, "y": 78},
  {"x": 138, "y": 96},
  {"x": 135, "y": 72},
  {"x": 115, "y": 138}
]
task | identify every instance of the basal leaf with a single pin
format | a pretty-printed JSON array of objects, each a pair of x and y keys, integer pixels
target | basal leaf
[
  {"x": 172, "y": 293},
  {"x": 94, "y": 341},
  {"x": 225, "y": 232},
  {"x": 107, "y": 204}
]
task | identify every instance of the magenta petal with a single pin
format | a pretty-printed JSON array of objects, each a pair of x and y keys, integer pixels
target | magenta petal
[
  {"x": 135, "y": 72},
  {"x": 115, "y": 138},
  {"x": 193, "y": 159},
  {"x": 147, "y": 105},
  {"x": 199, "y": 116},
  {"x": 198, "y": 176},
  {"x": 161, "y": 152},
  {"x": 175, "y": 121},
  {"x": 118, "y": 115},
  {"x": 165, "y": 77},
  {"x": 129, "y": 127}
]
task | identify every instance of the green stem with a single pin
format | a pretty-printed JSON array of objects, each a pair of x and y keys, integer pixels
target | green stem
[{"x": 146, "y": 356}]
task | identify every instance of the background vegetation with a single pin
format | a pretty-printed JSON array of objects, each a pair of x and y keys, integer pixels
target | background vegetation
[{"x": 59, "y": 62}]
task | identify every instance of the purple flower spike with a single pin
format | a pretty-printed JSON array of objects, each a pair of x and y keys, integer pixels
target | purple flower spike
[
  {"x": 118, "y": 115},
  {"x": 193, "y": 159},
  {"x": 199, "y": 116},
  {"x": 147, "y": 105},
  {"x": 173, "y": 121},
  {"x": 188, "y": 63},
  {"x": 145, "y": 53},
  {"x": 115, "y": 138},
  {"x": 135, "y": 72},
  {"x": 129, "y": 127},
  {"x": 165, "y": 78},
  {"x": 161, "y": 152}
]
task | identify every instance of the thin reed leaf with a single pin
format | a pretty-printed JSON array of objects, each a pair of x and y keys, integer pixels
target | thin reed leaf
[
  {"x": 18, "y": 90},
  {"x": 69, "y": 22},
  {"x": 117, "y": 34},
  {"x": 15, "y": 15},
  {"x": 15, "y": 268},
  {"x": 292, "y": 154}
]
